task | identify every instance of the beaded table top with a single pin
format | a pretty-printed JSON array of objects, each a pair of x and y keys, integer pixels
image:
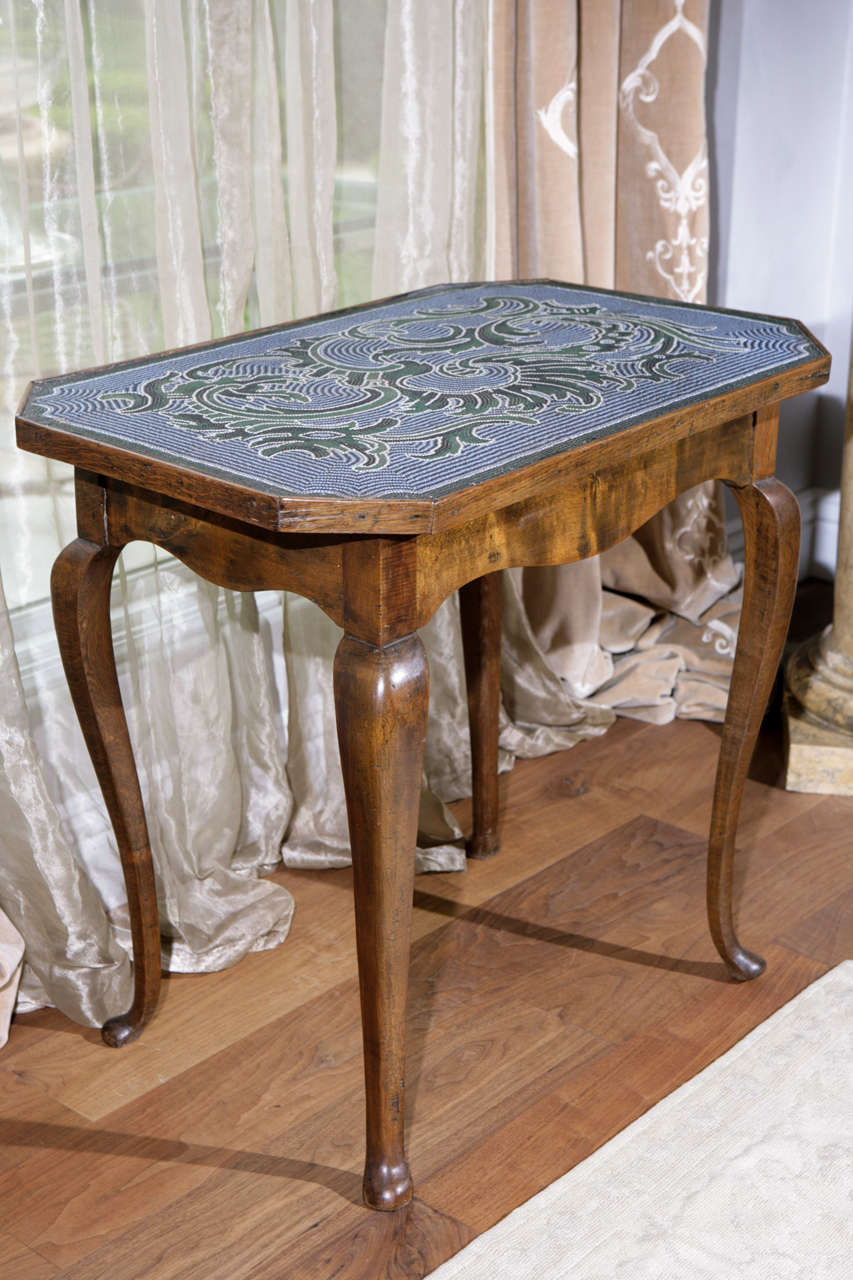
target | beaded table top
[{"x": 421, "y": 395}]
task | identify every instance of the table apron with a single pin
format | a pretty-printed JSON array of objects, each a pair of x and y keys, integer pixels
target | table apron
[
  {"x": 381, "y": 588},
  {"x": 583, "y": 518},
  {"x": 226, "y": 552}
]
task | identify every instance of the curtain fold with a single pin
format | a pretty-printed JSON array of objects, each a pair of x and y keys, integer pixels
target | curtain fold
[
  {"x": 428, "y": 169},
  {"x": 129, "y": 206},
  {"x": 229, "y": 73},
  {"x": 177, "y": 217},
  {"x": 679, "y": 559},
  {"x": 273, "y": 278},
  {"x": 600, "y": 176},
  {"x": 176, "y": 170},
  {"x": 309, "y": 85},
  {"x": 73, "y": 959}
]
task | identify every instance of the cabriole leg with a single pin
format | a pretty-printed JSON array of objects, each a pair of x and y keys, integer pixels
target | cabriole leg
[
  {"x": 771, "y": 522},
  {"x": 381, "y": 702},
  {"x": 480, "y": 610},
  {"x": 80, "y": 590}
]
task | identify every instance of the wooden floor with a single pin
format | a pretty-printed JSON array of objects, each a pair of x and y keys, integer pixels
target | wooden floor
[{"x": 558, "y": 991}]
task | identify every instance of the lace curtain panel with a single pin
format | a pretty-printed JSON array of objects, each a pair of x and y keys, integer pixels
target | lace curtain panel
[{"x": 173, "y": 171}]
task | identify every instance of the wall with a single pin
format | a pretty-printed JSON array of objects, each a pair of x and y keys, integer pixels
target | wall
[{"x": 781, "y": 136}]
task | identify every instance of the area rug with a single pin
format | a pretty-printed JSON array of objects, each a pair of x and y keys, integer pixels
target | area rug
[{"x": 746, "y": 1171}]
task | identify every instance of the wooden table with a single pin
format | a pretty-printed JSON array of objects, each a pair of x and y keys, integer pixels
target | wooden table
[{"x": 376, "y": 459}]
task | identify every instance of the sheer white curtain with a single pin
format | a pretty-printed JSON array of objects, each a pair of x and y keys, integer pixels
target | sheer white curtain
[
  {"x": 175, "y": 170},
  {"x": 171, "y": 171},
  {"x": 136, "y": 186}
]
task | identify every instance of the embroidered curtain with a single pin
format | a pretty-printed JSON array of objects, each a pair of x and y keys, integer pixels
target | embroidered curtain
[
  {"x": 173, "y": 171},
  {"x": 602, "y": 176}
]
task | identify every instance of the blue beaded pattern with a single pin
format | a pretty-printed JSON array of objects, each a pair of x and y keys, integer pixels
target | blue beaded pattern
[{"x": 421, "y": 395}]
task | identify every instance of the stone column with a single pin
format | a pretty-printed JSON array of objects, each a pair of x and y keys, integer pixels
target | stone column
[{"x": 818, "y": 708}]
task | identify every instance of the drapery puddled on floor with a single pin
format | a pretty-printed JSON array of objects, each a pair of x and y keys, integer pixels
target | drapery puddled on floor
[{"x": 174, "y": 171}]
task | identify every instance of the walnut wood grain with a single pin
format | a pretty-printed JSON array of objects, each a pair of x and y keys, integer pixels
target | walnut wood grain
[
  {"x": 380, "y": 588},
  {"x": 250, "y": 1129},
  {"x": 671, "y": 431},
  {"x": 80, "y": 590},
  {"x": 587, "y": 514},
  {"x": 381, "y": 699},
  {"x": 227, "y": 552},
  {"x": 480, "y": 612},
  {"x": 402, "y": 1246},
  {"x": 771, "y": 523},
  {"x": 766, "y": 433}
]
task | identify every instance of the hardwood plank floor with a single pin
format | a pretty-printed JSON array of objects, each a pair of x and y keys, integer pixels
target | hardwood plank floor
[{"x": 558, "y": 991}]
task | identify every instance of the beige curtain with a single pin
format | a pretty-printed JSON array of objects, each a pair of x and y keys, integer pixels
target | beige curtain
[
  {"x": 601, "y": 176},
  {"x": 171, "y": 171}
]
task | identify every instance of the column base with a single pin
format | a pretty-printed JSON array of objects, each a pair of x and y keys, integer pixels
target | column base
[
  {"x": 820, "y": 678},
  {"x": 818, "y": 719},
  {"x": 818, "y": 758}
]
